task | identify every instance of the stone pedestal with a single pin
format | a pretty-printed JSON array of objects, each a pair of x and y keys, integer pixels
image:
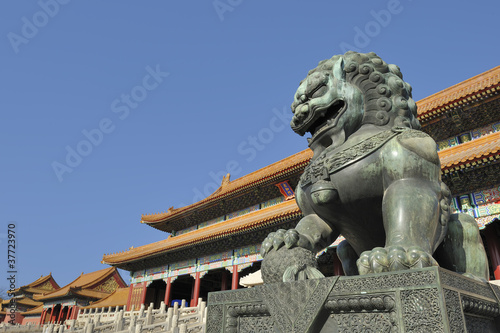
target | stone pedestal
[{"x": 425, "y": 300}]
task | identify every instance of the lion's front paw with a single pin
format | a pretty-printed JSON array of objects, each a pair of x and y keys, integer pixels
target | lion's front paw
[
  {"x": 394, "y": 258},
  {"x": 289, "y": 238}
]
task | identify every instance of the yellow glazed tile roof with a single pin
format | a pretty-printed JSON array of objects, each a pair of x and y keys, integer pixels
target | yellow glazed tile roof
[
  {"x": 229, "y": 187},
  {"x": 471, "y": 151},
  {"x": 118, "y": 298},
  {"x": 35, "y": 311},
  {"x": 23, "y": 301},
  {"x": 245, "y": 222},
  {"x": 80, "y": 286},
  {"x": 35, "y": 286},
  {"x": 489, "y": 80}
]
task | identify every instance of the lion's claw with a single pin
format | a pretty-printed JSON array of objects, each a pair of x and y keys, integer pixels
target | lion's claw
[
  {"x": 267, "y": 244},
  {"x": 394, "y": 258},
  {"x": 291, "y": 238},
  {"x": 279, "y": 239},
  {"x": 275, "y": 240}
]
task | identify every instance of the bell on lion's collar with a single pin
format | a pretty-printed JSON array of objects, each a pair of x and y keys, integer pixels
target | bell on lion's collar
[{"x": 323, "y": 192}]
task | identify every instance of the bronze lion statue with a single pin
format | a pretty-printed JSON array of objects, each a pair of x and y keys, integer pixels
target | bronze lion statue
[{"x": 374, "y": 178}]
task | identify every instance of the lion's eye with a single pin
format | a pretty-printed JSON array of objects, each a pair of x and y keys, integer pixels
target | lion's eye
[{"x": 319, "y": 92}]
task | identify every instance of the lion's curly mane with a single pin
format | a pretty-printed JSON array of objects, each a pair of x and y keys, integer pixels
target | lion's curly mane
[{"x": 387, "y": 97}]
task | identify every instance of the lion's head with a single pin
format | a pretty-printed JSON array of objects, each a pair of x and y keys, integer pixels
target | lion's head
[{"x": 349, "y": 91}]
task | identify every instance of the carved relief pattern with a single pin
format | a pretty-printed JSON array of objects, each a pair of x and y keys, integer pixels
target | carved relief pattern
[
  {"x": 294, "y": 305},
  {"x": 279, "y": 302},
  {"x": 235, "y": 312},
  {"x": 477, "y": 324},
  {"x": 480, "y": 307},
  {"x": 256, "y": 324},
  {"x": 108, "y": 286},
  {"x": 214, "y": 319},
  {"x": 46, "y": 286},
  {"x": 408, "y": 134},
  {"x": 364, "y": 322},
  {"x": 375, "y": 313},
  {"x": 406, "y": 279},
  {"x": 356, "y": 303},
  {"x": 459, "y": 282},
  {"x": 421, "y": 311},
  {"x": 291, "y": 307},
  {"x": 315, "y": 303},
  {"x": 454, "y": 309},
  {"x": 496, "y": 291},
  {"x": 247, "y": 295},
  {"x": 324, "y": 165}
]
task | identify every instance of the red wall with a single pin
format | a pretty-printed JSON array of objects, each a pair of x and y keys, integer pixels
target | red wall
[
  {"x": 18, "y": 318},
  {"x": 31, "y": 319}
]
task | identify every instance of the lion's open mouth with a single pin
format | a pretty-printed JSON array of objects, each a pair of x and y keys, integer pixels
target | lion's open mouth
[{"x": 328, "y": 120}]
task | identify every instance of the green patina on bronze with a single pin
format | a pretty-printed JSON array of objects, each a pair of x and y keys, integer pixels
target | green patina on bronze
[{"x": 374, "y": 178}]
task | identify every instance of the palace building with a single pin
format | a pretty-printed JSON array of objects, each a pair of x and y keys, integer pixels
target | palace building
[
  {"x": 44, "y": 302},
  {"x": 215, "y": 241},
  {"x": 64, "y": 303},
  {"x": 27, "y": 309}
]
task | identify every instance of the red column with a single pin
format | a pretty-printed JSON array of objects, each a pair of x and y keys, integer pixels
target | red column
[
  {"x": 66, "y": 315},
  {"x": 196, "y": 291},
  {"x": 130, "y": 292},
  {"x": 76, "y": 311},
  {"x": 493, "y": 249},
  {"x": 51, "y": 320},
  {"x": 236, "y": 278},
  {"x": 223, "y": 283},
  {"x": 59, "y": 317},
  {"x": 167, "y": 293},
  {"x": 337, "y": 266},
  {"x": 144, "y": 290},
  {"x": 70, "y": 312},
  {"x": 42, "y": 317}
]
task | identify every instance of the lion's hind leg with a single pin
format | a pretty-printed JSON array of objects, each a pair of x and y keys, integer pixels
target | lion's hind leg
[{"x": 462, "y": 249}]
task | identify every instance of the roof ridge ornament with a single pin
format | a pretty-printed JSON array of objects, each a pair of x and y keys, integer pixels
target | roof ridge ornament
[{"x": 225, "y": 180}]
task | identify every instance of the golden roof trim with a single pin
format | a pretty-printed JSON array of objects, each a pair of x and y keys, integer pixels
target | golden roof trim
[
  {"x": 229, "y": 187},
  {"x": 241, "y": 223},
  {"x": 471, "y": 151},
  {"x": 486, "y": 82},
  {"x": 81, "y": 284}
]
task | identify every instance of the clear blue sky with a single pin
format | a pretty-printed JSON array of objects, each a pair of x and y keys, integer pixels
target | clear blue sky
[{"x": 170, "y": 93}]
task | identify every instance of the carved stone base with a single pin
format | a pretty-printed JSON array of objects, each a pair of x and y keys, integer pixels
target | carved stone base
[{"x": 425, "y": 300}]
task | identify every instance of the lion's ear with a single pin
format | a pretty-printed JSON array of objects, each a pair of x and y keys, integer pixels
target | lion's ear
[{"x": 338, "y": 69}]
